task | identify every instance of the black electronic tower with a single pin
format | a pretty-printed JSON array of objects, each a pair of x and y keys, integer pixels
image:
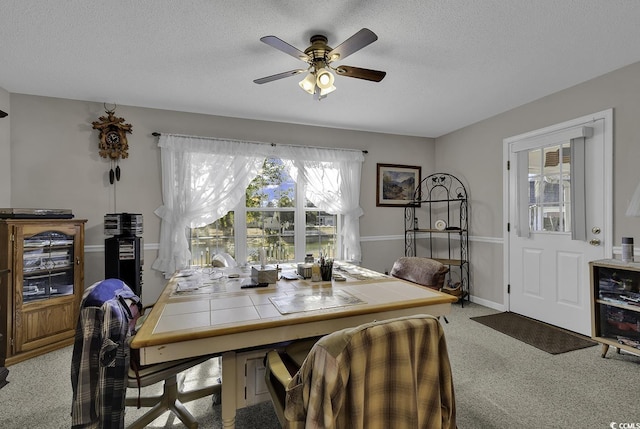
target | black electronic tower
[{"x": 124, "y": 251}]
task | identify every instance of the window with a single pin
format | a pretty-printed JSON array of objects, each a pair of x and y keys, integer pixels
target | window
[
  {"x": 549, "y": 189},
  {"x": 211, "y": 239},
  {"x": 204, "y": 191},
  {"x": 321, "y": 232},
  {"x": 268, "y": 212}
]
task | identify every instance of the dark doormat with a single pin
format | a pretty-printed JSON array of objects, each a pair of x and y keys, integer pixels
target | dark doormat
[{"x": 543, "y": 336}]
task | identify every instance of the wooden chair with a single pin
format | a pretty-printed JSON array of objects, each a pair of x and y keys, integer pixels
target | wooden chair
[
  {"x": 391, "y": 373},
  {"x": 172, "y": 397},
  {"x": 102, "y": 357}
]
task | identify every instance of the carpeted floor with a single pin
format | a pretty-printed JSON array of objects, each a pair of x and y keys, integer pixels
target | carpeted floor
[
  {"x": 543, "y": 336},
  {"x": 500, "y": 383}
]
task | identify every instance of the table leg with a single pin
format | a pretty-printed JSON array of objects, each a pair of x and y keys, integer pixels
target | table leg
[
  {"x": 229, "y": 405},
  {"x": 605, "y": 349}
]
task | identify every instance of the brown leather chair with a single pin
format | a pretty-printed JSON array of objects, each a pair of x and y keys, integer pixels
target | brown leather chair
[{"x": 423, "y": 271}]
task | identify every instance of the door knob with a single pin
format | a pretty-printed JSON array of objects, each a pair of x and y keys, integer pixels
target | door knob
[{"x": 594, "y": 242}]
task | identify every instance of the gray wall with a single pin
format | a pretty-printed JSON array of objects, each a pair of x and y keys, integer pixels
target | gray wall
[
  {"x": 5, "y": 152},
  {"x": 55, "y": 164},
  {"x": 475, "y": 153}
]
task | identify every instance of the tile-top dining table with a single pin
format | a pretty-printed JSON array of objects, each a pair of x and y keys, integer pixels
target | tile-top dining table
[{"x": 215, "y": 311}]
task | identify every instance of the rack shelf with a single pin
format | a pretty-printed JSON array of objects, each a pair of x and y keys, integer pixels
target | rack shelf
[
  {"x": 438, "y": 231},
  {"x": 438, "y": 198}
]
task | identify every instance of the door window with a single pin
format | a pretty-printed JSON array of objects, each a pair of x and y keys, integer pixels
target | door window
[{"x": 549, "y": 174}]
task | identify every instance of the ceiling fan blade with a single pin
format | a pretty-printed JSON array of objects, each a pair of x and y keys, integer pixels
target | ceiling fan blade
[
  {"x": 279, "y": 76},
  {"x": 354, "y": 43},
  {"x": 357, "y": 72},
  {"x": 283, "y": 46}
]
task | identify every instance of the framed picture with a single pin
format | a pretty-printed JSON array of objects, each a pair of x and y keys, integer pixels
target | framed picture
[{"x": 396, "y": 184}]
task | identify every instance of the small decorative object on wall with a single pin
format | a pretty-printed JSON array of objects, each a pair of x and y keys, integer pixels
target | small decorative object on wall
[
  {"x": 113, "y": 140},
  {"x": 396, "y": 184}
]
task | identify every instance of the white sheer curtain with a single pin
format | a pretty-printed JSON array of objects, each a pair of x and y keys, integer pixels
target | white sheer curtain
[
  {"x": 578, "y": 190},
  {"x": 204, "y": 178},
  {"x": 333, "y": 185}
]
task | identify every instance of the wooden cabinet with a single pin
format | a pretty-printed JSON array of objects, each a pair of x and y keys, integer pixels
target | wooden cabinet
[
  {"x": 438, "y": 215},
  {"x": 41, "y": 300},
  {"x": 615, "y": 304}
]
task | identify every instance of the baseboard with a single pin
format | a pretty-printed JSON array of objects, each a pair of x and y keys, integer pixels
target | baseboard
[{"x": 487, "y": 303}]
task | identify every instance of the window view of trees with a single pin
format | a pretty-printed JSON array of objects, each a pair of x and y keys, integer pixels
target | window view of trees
[
  {"x": 216, "y": 237},
  {"x": 269, "y": 214},
  {"x": 270, "y": 208},
  {"x": 321, "y": 233}
]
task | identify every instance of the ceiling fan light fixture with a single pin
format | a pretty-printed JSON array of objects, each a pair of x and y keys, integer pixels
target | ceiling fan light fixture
[
  {"x": 325, "y": 91},
  {"x": 325, "y": 79},
  {"x": 308, "y": 83},
  {"x": 319, "y": 56}
]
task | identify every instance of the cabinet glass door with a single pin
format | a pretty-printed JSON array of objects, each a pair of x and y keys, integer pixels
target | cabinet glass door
[{"x": 47, "y": 266}]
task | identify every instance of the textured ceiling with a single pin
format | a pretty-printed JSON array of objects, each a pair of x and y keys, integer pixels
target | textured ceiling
[{"x": 449, "y": 63}]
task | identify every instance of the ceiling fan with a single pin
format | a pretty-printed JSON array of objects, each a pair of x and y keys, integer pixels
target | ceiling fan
[{"x": 319, "y": 80}]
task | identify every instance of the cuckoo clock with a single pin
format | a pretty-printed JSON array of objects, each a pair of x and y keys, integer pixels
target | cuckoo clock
[{"x": 113, "y": 143}]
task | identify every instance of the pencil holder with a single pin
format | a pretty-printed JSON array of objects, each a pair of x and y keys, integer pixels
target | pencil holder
[{"x": 326, "y": 271}]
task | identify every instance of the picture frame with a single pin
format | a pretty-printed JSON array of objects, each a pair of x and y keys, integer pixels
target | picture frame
[{"x": 396, "y": 184}]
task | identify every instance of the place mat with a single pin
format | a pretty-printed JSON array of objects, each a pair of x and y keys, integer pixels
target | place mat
[
  {"x": 315, "y": 300},
  {"x": 543, "y": 336}
]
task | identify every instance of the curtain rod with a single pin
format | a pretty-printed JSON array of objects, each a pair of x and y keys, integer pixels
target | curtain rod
[{"x": 157, "y": 134}]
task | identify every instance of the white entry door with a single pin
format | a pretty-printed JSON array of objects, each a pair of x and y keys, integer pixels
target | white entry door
[{"x": 558, "y": 208}]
